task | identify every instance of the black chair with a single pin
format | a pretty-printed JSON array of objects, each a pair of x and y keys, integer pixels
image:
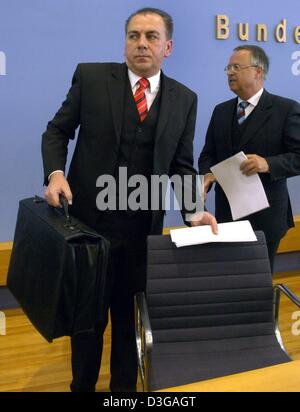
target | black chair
[{"x": 210, "y": 311}]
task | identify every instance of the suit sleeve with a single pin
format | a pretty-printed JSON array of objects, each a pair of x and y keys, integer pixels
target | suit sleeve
[
  {"x": 287, "y": 163},
  {"x": 182, "y": 166},
  {"x": 61, "y": 129},
  {"x": 207, "y": 156},
  {"x": 183, "y": 160}
]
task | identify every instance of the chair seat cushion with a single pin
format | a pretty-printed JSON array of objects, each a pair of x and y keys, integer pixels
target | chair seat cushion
[{"x": 196, "y": 361}]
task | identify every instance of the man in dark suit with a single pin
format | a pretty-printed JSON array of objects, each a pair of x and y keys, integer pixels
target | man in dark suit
[
  {"x": 133, "y": 117},
  {"x": 267, "y": 128}
]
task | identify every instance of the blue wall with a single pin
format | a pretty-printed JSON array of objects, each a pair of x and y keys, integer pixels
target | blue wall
[{"x": 44, "y": 40}]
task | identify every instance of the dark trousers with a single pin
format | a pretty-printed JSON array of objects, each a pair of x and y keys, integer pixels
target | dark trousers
[
  {"x": 272, "y": 249},
  {"x": 126, "y": 276}
]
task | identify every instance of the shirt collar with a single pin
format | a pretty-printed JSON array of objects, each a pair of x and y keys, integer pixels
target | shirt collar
[
  {"x": 254, "y": 99},
  {"x": 154, "y": 80}
]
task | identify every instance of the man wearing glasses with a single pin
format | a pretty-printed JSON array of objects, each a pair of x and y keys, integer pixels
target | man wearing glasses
[{"x": 267, "y": 128}]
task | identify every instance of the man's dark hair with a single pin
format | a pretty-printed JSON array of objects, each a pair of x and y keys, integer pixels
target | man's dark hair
[
  {"x": 258, "y": 57},
  {"x": 149, "y": 10}
]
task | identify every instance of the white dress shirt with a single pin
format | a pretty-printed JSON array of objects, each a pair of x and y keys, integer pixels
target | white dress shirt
[
  {"x": 151, "y": 91},
  {"x": 253, "y": 102}
]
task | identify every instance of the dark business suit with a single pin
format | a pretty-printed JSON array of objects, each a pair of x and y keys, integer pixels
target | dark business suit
[
  {"x": 271, "y": 131},
  {"x": 101, "y": 102}
]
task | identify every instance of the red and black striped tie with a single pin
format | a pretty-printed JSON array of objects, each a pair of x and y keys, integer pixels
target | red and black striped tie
[{"x": 140, "y": 98}]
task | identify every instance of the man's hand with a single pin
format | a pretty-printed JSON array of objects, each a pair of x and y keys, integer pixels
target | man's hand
[
  {"x": 209, "y": 179},
  {"x": 254, "y": 164},
  {"x": 58, "y": 185},
  {"x": 205, "y": 218}
]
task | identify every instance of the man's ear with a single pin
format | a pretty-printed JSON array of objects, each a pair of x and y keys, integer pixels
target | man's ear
[
  {"x": 259, "y": 72},
  {"x": 169, "y": 48}
]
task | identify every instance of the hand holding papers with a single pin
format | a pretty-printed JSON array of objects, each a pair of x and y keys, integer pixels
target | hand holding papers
[
  {"x": 245, "y": 194},
  {"x": 227, "y": 232}
]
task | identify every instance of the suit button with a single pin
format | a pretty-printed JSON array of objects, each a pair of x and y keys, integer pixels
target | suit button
[{"x": 139, "y": 130}]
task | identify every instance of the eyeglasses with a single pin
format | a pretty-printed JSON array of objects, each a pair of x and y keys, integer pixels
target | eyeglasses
[{"x": 237, "y": 67}]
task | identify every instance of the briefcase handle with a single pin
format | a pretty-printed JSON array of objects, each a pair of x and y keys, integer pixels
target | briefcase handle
[
  {"x": 64, "y": 204},
  {"x": 73, "y": 225},
  {"x": 63, "y": 200},
  {"x": 70, "y": 224}
]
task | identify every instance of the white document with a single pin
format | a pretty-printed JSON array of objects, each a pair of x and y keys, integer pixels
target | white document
[
  {"x": 227, "y": 232},
  {"x": 245, "y": 194}
]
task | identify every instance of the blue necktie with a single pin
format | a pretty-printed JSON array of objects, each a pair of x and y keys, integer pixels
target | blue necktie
[{"x": 241, "y": 111}]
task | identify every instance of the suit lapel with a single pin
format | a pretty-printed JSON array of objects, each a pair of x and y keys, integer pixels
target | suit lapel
[
  {"x": 259, "y": 117},
  {"x": 165, "y": 112},
  {"x": 116, "y": 87},
  {"x": 227, "y": 123}
]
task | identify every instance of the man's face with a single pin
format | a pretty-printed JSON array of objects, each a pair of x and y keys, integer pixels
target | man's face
[
  {"x": 146, "y": 44},
  {"x": 248, "y": 80}
]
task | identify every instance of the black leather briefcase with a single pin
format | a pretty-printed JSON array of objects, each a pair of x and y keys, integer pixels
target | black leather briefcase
[{"x": 57, "y": 270}]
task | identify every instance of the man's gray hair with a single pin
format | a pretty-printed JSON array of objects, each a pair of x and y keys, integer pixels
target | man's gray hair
[{"x": 258, "y": 57}]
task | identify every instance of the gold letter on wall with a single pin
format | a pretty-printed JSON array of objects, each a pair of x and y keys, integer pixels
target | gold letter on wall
[
  {"x": 243, "y": 31},
  {"x": 280, "y": 32},
  {"x": 297, "y": 34},
  {"x": 262, "y": 32},
  {"x": 222, "y": 27}
]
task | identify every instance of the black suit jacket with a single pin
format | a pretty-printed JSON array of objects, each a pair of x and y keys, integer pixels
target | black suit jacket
[
  {"x": 273, "y": 133},
  {"x": 95, "y": 102}
]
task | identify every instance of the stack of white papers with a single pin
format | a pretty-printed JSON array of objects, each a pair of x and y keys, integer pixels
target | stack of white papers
[
  {"x": 245, "y": 194},
  {"x": 227, "y": 232}
]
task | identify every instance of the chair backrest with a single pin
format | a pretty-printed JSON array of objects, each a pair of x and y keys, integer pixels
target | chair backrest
[{"x": 211, "y": 291}]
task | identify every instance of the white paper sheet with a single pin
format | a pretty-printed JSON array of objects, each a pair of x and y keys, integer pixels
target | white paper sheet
[
  {"x": 227, "y": 232},
  {"x": 245, "y": 194}
]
